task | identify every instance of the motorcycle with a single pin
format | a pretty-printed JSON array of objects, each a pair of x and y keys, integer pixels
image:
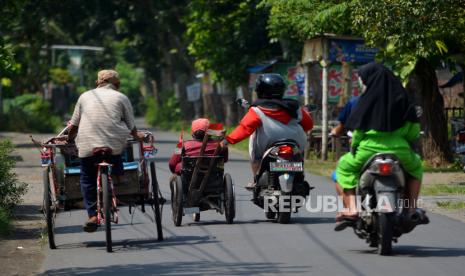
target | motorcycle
[
  {"x": 279, "y": 179},
  {"x": 381, "y": 188}
]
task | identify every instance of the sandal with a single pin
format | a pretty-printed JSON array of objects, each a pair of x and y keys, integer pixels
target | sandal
[
  {"x": 411, "y": 220},
  {"x": 90, "y": 225},
  {"x": 344, "y": 221},
  {"x": 250, "y": 186}
]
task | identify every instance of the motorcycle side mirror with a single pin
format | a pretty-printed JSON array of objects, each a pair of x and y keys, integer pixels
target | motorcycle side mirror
[
  {"x": 243, "y": 102},
  {"x": 239, "y": 101}
]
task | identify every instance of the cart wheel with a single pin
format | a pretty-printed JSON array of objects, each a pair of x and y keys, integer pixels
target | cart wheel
[
  {"x": 229, "y": 199},
  {"x": 107, "y": 208},
  {"x": 176, "y": 200},
  {"x": 156, "y": 201},
  {"x": 49, "y": 210},
  {"x": 196, "y": 217}
]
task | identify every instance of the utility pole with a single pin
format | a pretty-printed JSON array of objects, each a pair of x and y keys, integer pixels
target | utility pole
[
  {"x": 306, "y": 85},
  {"x": 324, "y": 106}
]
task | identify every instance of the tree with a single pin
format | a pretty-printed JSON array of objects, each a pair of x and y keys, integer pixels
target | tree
[
  {"x": 414, "y": 36},
  {"x": 227, "y": 36},
  {"x": 304, "y": 19}
]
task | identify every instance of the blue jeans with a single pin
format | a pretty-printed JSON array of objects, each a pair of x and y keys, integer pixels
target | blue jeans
[{"x": 88, "y": 180}]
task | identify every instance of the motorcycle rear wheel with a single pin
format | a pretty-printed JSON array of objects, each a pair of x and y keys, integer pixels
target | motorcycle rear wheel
[
  {"x": 284, "y": 217},
  {"x": 385, "y": 223}
]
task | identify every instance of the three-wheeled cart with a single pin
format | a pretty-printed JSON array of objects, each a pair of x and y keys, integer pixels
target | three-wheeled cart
[
  {"x": 202, "y": 184},
  {"x": 61, "y": 175}
]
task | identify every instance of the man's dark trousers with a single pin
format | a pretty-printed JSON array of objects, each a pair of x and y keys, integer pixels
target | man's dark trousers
[{"x": 89, "y": 170}]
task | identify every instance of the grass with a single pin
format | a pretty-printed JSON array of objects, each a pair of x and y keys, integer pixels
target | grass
[
  {"x": 43, "y": 237},
  {"x": 427, "y": 168},
  {"x": 443, "y": 189},
  {"x": 451, "y": 205},
  {"x": 318, "y": 167}
]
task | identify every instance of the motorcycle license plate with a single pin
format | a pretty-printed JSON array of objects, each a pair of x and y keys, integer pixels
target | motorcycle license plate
[{"x": 286, "y": 166}]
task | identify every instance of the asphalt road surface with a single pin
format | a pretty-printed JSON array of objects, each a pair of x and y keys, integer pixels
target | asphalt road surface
[{"x": 250, "y": 246}]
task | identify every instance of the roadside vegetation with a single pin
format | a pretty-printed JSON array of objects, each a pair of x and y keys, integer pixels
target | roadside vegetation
[
  {"x": 318, "y": 167},
  {"x": 443, "y": 189},
  {"x": 11, "y": 190},
  {"x": 451, "y": 205},
  {"x": 29, "y": 113}
]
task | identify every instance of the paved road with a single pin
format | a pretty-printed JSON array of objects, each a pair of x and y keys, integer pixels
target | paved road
[{"x": 252, "y": 245}]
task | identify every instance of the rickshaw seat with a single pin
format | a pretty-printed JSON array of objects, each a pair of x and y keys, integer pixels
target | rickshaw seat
[{"x": 102, "y": 151}]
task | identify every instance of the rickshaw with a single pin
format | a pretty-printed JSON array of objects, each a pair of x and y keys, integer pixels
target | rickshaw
[
  {"x": 202, "y": 184},
  {"x": 61, "y": 174}
]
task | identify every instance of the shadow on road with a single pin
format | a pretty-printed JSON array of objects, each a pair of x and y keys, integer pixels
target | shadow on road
[
  {"x": 420, "y": 251},
  {"x": 297, "y": 220},
  {"x": 141, "y": 244},
  {"x": 312, "y": 220},
  {"x": 70, "y": 229},
  {"x": 185, "y": 268}
]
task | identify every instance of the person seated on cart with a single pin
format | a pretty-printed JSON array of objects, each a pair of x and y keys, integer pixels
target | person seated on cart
[
  {"x": 102, "y": 118},
  {"x": 269, "y": 119},
  {"x": 192, "y": 147}
]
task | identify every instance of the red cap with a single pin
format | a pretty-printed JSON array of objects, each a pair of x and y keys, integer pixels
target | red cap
[{"x": 200, "y": 124}]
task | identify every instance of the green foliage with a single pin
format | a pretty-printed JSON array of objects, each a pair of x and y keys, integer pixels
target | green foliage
[
  {"x": 6, "y": 57},
  {"x": 409, "y": 29},
  {"x": 60, "y": 76},
  {"x": 11, "y": 189},
  {"x": 29, "y": 113},
  {"x": 304, "y": 19},
  {"x": 4, "y": 222},
  {"x": 227, "y": 36},
  {"x": 167, "y": 116},
  {"x": 131, "y": 79},
  {"x": 451, "y": 205}
]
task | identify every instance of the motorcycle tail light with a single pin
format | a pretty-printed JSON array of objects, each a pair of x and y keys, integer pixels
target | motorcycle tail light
[
  {"x": 385, "y": 168},
  {"x": 286, "y": 152}
]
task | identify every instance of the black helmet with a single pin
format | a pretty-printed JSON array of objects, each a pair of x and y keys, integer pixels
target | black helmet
[{"x": 270, "y": 86}]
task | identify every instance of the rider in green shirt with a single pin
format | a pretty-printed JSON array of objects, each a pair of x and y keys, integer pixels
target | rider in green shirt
[{"x": 384, "y": 120}]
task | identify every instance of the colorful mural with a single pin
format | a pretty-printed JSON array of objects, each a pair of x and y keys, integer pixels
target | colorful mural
[{"x": 336, "y": 83}]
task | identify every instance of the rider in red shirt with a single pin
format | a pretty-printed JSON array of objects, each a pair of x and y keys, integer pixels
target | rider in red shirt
[{"x": 271, "y": 118}]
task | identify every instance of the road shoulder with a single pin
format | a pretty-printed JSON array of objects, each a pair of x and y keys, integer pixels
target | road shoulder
[{"x": 21, "y": 250}]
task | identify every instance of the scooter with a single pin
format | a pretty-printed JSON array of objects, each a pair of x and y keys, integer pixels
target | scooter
[
  {"x": 280, "y": 180},
  {"x": 383, "y": 218}
]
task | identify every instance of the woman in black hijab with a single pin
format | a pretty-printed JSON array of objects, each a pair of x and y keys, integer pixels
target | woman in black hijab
[{"x": 384, "y": 120}]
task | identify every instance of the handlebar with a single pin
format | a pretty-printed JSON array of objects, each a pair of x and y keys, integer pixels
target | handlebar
[{"x": 243, "y": 103}]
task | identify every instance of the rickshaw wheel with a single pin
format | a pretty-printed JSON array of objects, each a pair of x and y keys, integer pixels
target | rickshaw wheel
[
  {"x": 107, "y": 210},
  {"x": 176, "y": 200},
  {"x": 49, "y": 213},
  {"x": 229, "y": 199},
  {"x": 196, "y": 217},
  {"x": 156, "y": 201}
]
